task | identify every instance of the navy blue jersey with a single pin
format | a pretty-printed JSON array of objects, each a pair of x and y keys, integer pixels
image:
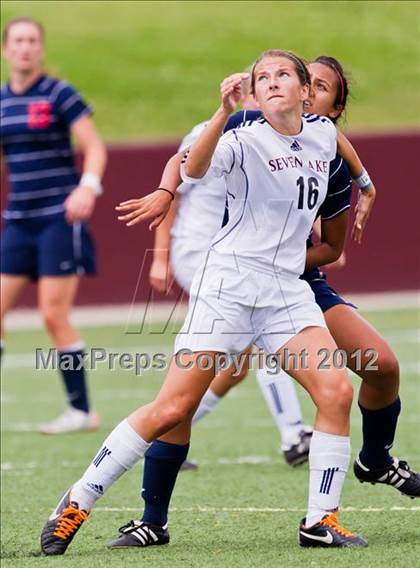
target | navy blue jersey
[
  {"x": 35, "y": 139},
  {"x": 242, "y": 118}
]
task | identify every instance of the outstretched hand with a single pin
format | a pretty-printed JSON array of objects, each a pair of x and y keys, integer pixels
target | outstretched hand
[
  {"x": 153, "y": 206},
  {"x": 363, "y": 210}
]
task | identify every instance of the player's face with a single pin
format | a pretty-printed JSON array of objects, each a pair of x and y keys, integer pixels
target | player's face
[
  {"x": 324, "y": 88},
  {"x": 277, "y": 86},
  {"x": 24, "y": 47}
]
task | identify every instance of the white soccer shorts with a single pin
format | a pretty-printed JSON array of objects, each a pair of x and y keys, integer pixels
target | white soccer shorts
[{"x": 233, "y": 306}]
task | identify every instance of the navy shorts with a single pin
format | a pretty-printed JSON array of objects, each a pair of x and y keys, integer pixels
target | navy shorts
[
  {"x": 46, "y": 247},
  {"x": 325, "y": 296}
]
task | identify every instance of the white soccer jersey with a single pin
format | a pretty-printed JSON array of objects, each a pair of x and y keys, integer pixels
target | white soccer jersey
[
  {"x": 275, "y": 186},
  {"x": 200, "y": 210}
]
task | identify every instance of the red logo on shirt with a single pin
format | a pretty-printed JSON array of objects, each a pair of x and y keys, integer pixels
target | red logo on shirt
[{"x": 39, "y": 114}]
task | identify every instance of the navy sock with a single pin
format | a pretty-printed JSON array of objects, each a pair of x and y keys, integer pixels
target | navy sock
[
  {"x": 161, "y": 466},
  {"x": 74, "y": 378},
  {"x": 378, "y": 434}
]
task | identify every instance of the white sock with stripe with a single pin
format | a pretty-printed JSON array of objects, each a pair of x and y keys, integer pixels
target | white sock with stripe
[
  {"x": 119, "y": 452},
  {"x": 279, "y": 392},
  {"x": 329, "y": 459},
  {"x": 208, "y": 404}
]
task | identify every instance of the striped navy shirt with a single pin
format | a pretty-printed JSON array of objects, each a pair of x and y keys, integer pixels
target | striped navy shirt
[{"x": 35, "y": 139}]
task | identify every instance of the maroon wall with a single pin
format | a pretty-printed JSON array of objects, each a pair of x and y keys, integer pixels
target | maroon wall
[{"x": 389, "y": 258}]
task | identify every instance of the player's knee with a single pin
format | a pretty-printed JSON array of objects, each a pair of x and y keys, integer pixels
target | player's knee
[
  {"x": 337, "y": 397},
  {"x": 344, "y": 396},
  {"x": 175, "y": 412},
  {"x": 53, "y": 317},
  {"x": 387, "y": 366}
]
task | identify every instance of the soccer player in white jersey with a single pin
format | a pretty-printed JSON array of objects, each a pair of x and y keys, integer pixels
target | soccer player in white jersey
[
  {"x": 187, "y": 232},
  {"x": 248, "y": 292},
  {"x": 379, "y": 402}
]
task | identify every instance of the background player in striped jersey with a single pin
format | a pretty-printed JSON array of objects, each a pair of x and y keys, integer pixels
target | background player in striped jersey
[
  {"x": 248, "y": 308},
  {"x": 45, "y": 237}
]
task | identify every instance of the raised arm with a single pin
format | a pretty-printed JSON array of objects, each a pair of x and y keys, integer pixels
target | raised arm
[
  {"x": 201, "y": 152},
  {"x": 367, "y": 191}
]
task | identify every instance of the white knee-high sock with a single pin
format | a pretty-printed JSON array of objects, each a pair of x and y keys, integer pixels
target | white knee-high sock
[
  {"x": 280, "y": 395},
  {"x": 329, "y": 459},
  {"x": 119, "y": 452},
  {"x": 208, "y": 404}
]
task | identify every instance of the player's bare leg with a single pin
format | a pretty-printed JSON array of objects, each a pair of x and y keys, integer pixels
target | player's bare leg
[
  {"x": 11, "y": 287},
  {"x": 56, "y": 296},
  {"x": 332, "y": 394},
  {"x": 370, "y": 357},
  {"x": 329, "y": 456},
  {"x": 173, "y": 408}
]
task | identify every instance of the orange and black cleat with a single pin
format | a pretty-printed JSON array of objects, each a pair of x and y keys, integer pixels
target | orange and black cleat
[
  {"x": 62, "y": 526},
  {"x": 329, "y": 534}
]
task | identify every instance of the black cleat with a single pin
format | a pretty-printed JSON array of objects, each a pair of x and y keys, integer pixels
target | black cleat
[
  {"x": 188, "y": 466},
  {"x": 398, "y": 475},
  {"x": 62, "y": 526},
  {"x": 139, "y": 533},
  {"x": 299, "y": 452},
  {"x": 329, "y": 534}
]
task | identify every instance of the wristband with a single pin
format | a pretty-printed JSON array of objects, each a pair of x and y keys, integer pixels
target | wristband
[
  {"x": 363, "y": 181},
  {"x": 167, "y": 191},
  {"x": 93, "y": 181}
]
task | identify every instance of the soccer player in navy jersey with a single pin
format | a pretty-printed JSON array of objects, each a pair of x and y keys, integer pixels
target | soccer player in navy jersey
[{"x": 45, "y": 237}]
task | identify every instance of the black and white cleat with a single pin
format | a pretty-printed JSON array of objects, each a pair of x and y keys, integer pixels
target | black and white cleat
[
  {"x": 140, "y": 534},
  {"x": 398, "y": 475}
]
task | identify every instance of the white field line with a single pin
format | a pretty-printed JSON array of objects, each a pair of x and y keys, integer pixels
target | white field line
[
  {"x": 126, "y": 315},
  {"x": 130, "y": 315},
  {"x": 213, "y": 424},
  {"x": 256, "y": 509},
  {"x": 22, "y": 468}
]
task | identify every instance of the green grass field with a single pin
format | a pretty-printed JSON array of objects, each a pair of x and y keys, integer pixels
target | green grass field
[
  {"x": 241, "y": 508},
  {"x": 152, "y": 69}
]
